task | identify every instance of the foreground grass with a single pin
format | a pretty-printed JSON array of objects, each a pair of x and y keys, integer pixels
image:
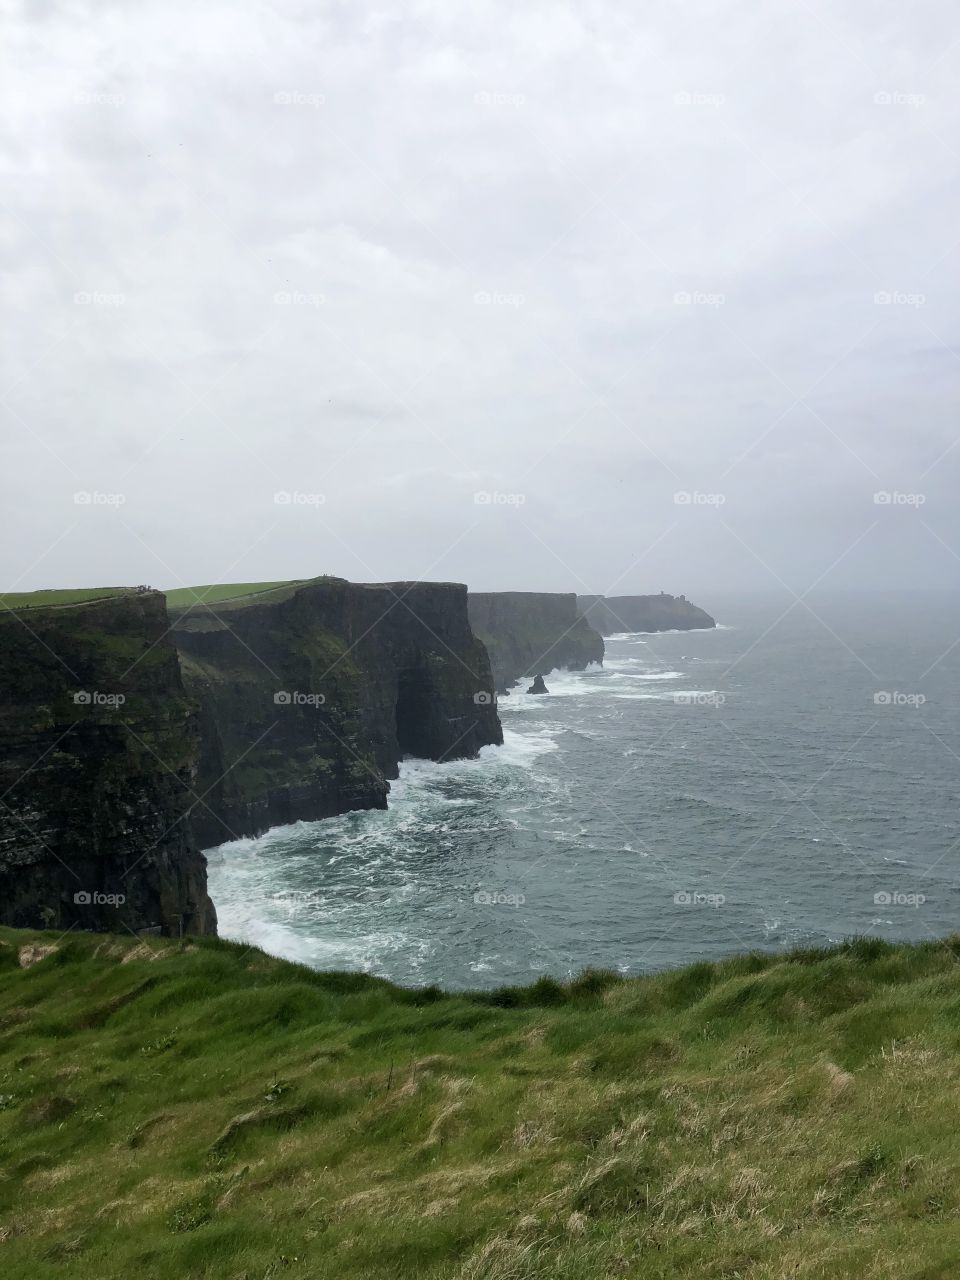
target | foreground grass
[{"x": 207, "y": 1111}]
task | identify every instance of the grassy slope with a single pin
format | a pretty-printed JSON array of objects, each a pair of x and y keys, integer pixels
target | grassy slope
[{"x": 211, "y": 1111}]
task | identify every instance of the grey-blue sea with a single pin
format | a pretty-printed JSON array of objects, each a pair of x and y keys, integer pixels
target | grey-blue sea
[{"x": 790, "y": 778}]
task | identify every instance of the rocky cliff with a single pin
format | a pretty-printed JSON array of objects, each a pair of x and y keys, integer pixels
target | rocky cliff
[
  {"x": 311, "y": 693},
  {"x": 98, "y": 755},
  {"x": 612, "y": 614},
  {"x": 531, "y": 632}
]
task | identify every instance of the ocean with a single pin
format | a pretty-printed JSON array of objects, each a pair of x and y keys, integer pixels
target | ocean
[{"x": 788, "y": 779}]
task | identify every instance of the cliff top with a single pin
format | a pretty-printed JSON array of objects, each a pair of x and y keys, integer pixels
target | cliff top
[
  {"x": 57, "y": 598},
  {"x": 214, "y": 593},
  {"x": 239, "y": 595},
  {"x": 523, "y": 595},
  {"x": 172, "y": 1111}
]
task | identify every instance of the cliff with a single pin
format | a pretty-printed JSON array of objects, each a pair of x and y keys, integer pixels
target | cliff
[
  {"x": 312, "y": 692},
  {"x": 531, "y": 632},
  {"x": 100, "y": 751},
  {"x": 612, "y": 614}
]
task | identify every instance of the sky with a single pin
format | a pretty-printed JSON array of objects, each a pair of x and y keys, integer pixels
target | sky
[{"x": 586, "y": 296}]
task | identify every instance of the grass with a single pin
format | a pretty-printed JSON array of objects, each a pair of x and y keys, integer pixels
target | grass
[
  {"x": 48, "y": 598},
  {"x": 217, "y": 592},
  {"x": 204, "y": 1110}
]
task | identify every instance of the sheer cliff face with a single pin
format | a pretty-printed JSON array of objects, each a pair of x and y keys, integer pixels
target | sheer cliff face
[
  {"x": 530, "y": 632},
  {"x": 311, "y": 695},
  {"x": 613, "y": 614},
  {"x": 100, "y": 751}
]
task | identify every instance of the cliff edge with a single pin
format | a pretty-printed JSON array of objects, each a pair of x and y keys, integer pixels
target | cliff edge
[
  {"x": 100, "y": 752},
  {"x": 312, "y": 692},
  {"x": 613, "y": 614},
  {"x": 528, "y": 633}
]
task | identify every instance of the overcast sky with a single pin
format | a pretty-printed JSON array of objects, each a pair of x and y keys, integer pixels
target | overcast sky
[{"x": 613, "y": 268}]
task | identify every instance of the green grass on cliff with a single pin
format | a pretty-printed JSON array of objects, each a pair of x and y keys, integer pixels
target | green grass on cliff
[
  {"x": 218, "y": 592},
  {"x": 51, "y": 598},
  {"x": 207, "y": 1111}
]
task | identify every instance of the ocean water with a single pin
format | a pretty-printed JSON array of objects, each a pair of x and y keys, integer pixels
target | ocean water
[{"x": 790, "y": 778}]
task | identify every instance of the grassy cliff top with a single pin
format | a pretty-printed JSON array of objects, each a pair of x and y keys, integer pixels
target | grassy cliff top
[
  {"x": 240, "y": 595},
  {"x": 53, "y": 598},
  {"x": 203, "y": 1110},
  {"x": 222, "y": 592}
]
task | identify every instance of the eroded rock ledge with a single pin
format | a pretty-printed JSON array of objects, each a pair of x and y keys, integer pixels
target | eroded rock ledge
[
  {"x": 532, "y": 632},
  {"x": 613, "y": 614}
]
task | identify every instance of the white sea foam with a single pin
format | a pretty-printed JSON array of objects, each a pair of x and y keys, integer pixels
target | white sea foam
[
  {"x": 670, "y": 631},
  {"x": 668, "y": 695},
  {"x": 648, "y": 675}
]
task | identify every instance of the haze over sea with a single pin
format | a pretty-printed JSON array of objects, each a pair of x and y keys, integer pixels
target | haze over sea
[{"x": 790, "y": 778}]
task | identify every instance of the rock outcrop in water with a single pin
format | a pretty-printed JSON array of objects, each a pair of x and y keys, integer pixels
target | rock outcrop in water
[
  {"x": 527, "y": 632},
  {"x": 99, "y": 755},
  {"x": 310, "y": 695},
  {"x": 539, "y": 685},
  {"x": 612, "y": 614}
]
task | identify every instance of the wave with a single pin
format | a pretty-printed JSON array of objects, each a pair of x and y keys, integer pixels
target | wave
[
  {"x": 688, "y": 697},
  {"x": 669, "y": 631},
  {"x": 648, "y": 675},
  {"x": 267, "y": 924}
]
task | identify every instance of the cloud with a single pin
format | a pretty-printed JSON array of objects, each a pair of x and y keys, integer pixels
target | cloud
[{"x": 583, "y": 254}]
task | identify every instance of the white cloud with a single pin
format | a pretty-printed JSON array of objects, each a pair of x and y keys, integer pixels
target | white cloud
[{"x": 577, "y": 166}]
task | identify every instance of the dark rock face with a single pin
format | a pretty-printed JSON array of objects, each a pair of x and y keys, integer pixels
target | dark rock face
[
  {"x": 310, "y": 695},
  {"x": 538, "y": 685},
  {"x": 613, "y": 614},
  {"x": 98, "y": 756},
  {"x": 526, "y": 632}
]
